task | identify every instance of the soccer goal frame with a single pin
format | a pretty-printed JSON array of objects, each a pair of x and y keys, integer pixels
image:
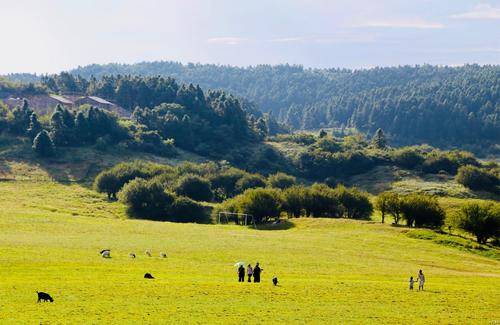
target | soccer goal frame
[{"x": 247, "y": 218}]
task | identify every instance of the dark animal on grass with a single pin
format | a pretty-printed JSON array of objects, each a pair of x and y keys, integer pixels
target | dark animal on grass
[
  {"x": 275, "y": 280},
  {"x": 148, "y": 276},
  {"x": 42, "y": 296}
]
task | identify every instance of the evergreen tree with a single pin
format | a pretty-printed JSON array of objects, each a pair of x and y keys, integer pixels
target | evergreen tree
[
  {"x": 379, "y": 140},
  {"x": 57, "y": 129},
  {"x": 21, "y": 120},
  {"x": 35, "y": 127},
  {"x": 43, "y": 145}
]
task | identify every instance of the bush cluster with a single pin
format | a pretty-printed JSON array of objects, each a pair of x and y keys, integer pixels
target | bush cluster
[
  {"x": 477, "y": 178},
  {"x": 419, "y": 210},
  {"x": 188, "y": 183},
  {"x": 318, "y": 200}
]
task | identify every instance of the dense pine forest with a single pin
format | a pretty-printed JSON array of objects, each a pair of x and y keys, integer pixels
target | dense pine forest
[
  {"x": 442, "y": 106},
  {"x": 438, "y": 105}
]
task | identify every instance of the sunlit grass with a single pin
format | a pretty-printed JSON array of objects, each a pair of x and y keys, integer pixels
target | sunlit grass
[{"x": 330, "y": 271}]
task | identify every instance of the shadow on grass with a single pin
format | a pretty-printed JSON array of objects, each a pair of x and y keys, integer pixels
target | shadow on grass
[{"x": 282, "y": 225}]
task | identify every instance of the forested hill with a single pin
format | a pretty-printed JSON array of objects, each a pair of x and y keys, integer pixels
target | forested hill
[
  {"x": 444, "y": 106},
  {"x": 439, "y": 105}
]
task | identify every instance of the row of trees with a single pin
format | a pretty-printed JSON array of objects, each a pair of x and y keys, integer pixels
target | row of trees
[
  {"x": 479, "y": 219},
  {"x": 200, "y": 182},
  {"x": 219, "y": 182},
  {"x": 318, "y": 200},
  {"x": 162, "y": 192}
]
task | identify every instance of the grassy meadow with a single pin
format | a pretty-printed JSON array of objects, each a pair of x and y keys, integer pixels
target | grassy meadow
[{"x": 330, "y": 270}]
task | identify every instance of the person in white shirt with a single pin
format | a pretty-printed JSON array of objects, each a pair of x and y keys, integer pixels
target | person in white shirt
[{"x": 421, "y": 280}]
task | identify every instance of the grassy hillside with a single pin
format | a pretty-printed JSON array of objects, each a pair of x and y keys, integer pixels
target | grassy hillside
[{"x": 331, "y": 271}]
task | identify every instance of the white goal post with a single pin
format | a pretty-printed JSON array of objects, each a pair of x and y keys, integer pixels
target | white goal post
[{"x": 240, "y": 218}]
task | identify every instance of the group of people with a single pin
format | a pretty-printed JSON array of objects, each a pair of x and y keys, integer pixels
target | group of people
[
  {"x": 421, "y": 281},
  {"x": 250, "y": 272}
]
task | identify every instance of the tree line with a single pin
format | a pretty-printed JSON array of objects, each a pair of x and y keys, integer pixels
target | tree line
[{"x": 179, "y": 194}]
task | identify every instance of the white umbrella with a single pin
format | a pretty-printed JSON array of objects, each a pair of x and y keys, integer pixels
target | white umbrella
[{"x": 239, "y": 263}]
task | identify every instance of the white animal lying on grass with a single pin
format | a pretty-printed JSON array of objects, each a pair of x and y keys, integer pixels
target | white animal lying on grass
[
  {"x": 164, "y": 255},
  {"x": 106, "y": 253}
]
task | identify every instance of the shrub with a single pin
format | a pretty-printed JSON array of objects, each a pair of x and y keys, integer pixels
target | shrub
[
  {"x": 477, "y": 178},
  {"x": 263, "y": 204},
  {"x": 107, "y": 182},
  {"x": 435, "y": 163},
  {"x": 226, "y": 181},
  {"x": 125, "y": 172},
  {"x": 281, "y": 181},
  {"x": 355, "y": 203},
  {"x": 321, "y": 201},
  {"x": 42, "y": 144},
  {"x": 328, "y": 144},
  {"x": 481, "y": 220},
  {"x": 151, "y": 141},
  {"x": 146, "y": 199},
  {"x": 194, "y": 187},
  {"x": 250, "y": 181},
  {"x": 293, "y": 199},
  {"x": 422, "y": 210},
  {"x": 407, "y": 158},
  {"x": 184, "y": 209}
]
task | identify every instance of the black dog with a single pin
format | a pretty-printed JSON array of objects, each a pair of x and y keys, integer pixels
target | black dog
[
  {"x": 148, "y": 276},
  {"x": 42, "y": 296},
  {"x": 275, "y": 281}
]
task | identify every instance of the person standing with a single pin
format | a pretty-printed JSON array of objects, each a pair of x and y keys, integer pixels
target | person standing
[
  {"x": 256, "y": 273},
  {"x": 241, "y": 273},
  {"x": 421, "y": 280},
  {"x": 411, "y": 283},
  {"x": 249, "y": 272}
]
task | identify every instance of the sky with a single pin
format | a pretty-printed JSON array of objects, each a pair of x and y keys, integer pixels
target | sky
[{"x": 48, "y": 36}]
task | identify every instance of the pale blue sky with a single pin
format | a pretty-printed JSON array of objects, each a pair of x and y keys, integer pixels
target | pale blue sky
[{"x": 52, "y": 35}]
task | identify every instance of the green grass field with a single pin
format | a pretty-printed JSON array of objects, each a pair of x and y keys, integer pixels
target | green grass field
[{"x": 330, "y": 270}]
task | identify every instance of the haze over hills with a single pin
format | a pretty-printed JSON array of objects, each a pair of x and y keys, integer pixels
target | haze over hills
[{"x": 442, "y": 106}]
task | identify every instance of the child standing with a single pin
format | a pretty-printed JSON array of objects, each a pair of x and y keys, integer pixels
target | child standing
[{"x": 411, "y": 283}]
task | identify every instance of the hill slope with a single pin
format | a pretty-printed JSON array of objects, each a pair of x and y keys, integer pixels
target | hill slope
[
  {"x": 330, "y": 271},
  {"x": 439, "y": 105}
]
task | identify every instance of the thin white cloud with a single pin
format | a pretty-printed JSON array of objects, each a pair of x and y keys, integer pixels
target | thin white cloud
[
  {"x": 480, "y": 12},
  {"x": 408, "y": 24},
  {"x": 226, "y": 40},
  {"x": 339, "y": 37},
  {"x": 287, "y": 39}
]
